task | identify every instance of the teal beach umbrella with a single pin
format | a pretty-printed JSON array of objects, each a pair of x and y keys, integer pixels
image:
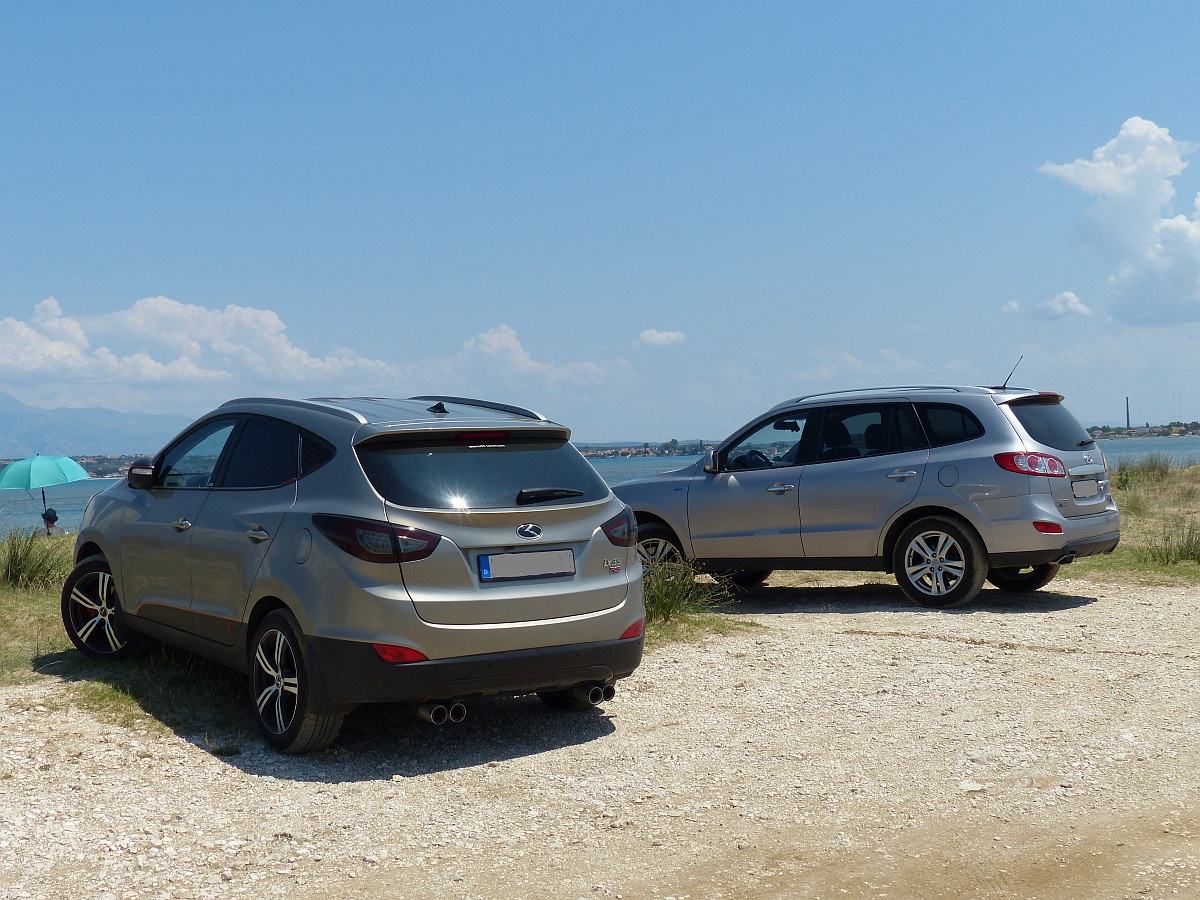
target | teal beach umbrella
[{"x": 40, "y": 472}]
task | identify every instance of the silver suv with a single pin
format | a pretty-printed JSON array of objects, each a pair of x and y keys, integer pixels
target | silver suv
[
  {"x": 346, "y": 551},
  {"x": 943, "y": 486}
]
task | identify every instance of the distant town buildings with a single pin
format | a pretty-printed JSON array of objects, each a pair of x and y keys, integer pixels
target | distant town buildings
[
  {"x": 1175, "y": 429},
  {"x": 670, "y": 448}
]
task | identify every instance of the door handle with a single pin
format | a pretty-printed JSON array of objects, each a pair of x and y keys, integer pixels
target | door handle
[
  {"x": 899, "y": 475},
  {"x": 780, "y": 488},
  {"x": 181, "y": 524},
  {"x": 257, "y": 533}
]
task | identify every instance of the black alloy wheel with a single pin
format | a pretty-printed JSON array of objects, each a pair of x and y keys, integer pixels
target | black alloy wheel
[
  {"x": 279, "y": 688},
  {"x": 92, "y": 615}
]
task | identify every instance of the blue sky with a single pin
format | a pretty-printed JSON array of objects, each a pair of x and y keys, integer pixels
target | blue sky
[{"x": 645, "y": 220}]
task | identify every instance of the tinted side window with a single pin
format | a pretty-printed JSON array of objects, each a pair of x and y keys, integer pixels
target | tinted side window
[
  {"x": 192, "y": 461},
  {"x": 906, "y": 431},
  {"x": 1049, "y": 422},
  {"x": 314, "y": 453},
  {"x": 850, "y": 432},
  {"x": 267, "y": 455},
  {"x": 946, "y": 423}
]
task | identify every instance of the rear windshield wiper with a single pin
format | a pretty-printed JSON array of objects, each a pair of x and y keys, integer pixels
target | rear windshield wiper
[{"x": 541, "y": 495}]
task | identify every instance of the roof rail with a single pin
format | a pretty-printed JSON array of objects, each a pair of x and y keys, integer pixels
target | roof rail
[
  {"x": 483, "y": 404},
  {"x": 318, "y": 403},
  {"x": 887, "y": 387}
]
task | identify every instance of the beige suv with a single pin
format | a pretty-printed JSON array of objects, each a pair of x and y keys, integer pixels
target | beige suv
[{"x": 346, "y": 551}]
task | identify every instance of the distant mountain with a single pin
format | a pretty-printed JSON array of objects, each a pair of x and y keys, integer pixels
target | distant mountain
[{"x": 26, "y": 430}]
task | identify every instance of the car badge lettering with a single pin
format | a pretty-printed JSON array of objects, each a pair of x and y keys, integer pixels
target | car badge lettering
[{"x": 529, "y": 531}]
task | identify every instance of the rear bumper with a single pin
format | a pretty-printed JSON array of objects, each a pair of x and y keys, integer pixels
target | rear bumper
[
  {"x": 1068, "y": 552},
  {"x": 351, "y": 672}
]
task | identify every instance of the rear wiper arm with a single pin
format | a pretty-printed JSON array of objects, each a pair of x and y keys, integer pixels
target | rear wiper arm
[{"x": 541, "y": 495}]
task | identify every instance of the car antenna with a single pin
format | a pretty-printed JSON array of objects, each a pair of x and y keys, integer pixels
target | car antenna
[{"x": 1010, "y": 374}]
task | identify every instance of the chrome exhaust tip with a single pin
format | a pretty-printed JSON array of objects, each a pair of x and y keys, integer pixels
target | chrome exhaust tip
[
  {"x": 437, "y": 713},
  {"x": 595, "y": 694}
]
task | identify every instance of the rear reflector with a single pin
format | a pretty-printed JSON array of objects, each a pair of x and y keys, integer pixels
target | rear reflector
[
  {"x": 1048, "y": 527},
  {"x": 635, "y": 630},
  {"x": 395, "y": 653}
]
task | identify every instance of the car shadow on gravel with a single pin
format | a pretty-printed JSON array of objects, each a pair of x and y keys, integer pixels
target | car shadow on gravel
[
  {"x": 206, "y": 705},
  {"x": 389, "y": 740},
  {"x": 882, "y": 597}
]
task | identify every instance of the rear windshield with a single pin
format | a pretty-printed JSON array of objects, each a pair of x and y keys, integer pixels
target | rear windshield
[
  {"x": 1049, "y": 422},
  {"x": 481, "y": 471}
]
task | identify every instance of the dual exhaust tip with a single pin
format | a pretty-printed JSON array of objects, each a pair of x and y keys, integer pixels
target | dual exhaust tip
[
  {"x": 441, "y": 713},
  {"x": 595, "y": 694}
]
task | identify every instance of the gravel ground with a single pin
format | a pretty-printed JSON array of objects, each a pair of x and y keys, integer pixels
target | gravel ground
[{"x": 846, "y": 744}]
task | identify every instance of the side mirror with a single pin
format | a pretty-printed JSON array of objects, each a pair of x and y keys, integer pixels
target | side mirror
[
  {"x": 710, "y": 461},
  {"x": 141, "y": 475}
]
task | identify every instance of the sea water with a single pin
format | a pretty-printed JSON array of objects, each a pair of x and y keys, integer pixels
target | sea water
[{"x": 19, "y": 509}]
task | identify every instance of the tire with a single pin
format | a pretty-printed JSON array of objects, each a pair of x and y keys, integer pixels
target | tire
[
  {"x": 280, "y": 691},
  {"x": 92, "y": 614},
  {"x": 939, "y": 563},
  {"x": 656, "y": 544},
  {"x": 1029, "y": 578},
  {"x": 747, "y": 579}
]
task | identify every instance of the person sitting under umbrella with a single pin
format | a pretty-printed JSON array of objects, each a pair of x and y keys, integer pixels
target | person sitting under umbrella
[{"x": 49, "y": 518}]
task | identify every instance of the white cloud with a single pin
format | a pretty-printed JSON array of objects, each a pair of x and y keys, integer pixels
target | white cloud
[
  {"x": 162, "y": 355},
  {"x": 1011, "y": 308},
  {"x": 1155, "y": 256},
  {"x": 1063, "y": 306},
  {"x": 656, "y": 338}
]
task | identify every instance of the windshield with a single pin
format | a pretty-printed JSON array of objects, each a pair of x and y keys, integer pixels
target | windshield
[{"x": 480, "y": 470}]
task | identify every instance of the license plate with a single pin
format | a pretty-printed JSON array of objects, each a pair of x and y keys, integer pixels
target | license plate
[
  {"x": 1084, "y": 489},
  {"x": 532, "y": 564}
]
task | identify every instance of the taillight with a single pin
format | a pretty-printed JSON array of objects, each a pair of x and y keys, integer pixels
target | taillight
[
  {"x": 414, "y": 543},
  {"x": 636, "y": 630},
  {"x": 396, "y": 653},
  {"x": 374, "y": 541},
  {"x": 1032, "y": 464},
  {"x": 621, "y": 529}
]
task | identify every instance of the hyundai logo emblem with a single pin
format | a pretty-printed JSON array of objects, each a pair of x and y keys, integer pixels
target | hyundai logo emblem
[{"x": 529, "y": 531}]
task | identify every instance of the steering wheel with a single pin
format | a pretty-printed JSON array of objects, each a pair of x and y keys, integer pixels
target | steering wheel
[{"x": 758, "y": 460}]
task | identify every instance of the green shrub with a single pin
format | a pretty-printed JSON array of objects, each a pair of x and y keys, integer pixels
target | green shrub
[
  {"x": 30, "y": 560},
  {"x": 1174, "y": 542},
  {"x": 673, "y": 590},
  {"x": 1151, "y": 469}
]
